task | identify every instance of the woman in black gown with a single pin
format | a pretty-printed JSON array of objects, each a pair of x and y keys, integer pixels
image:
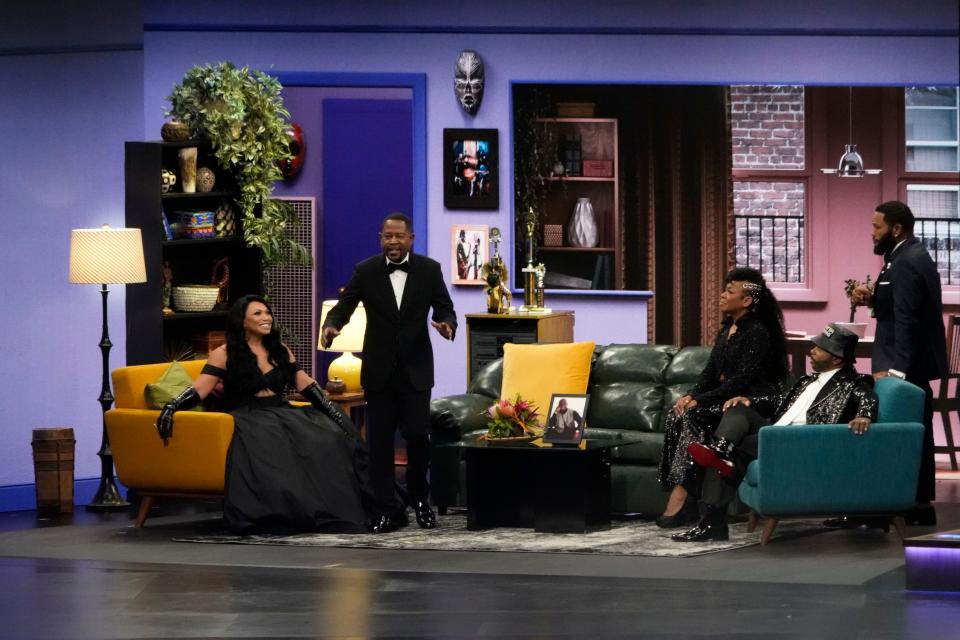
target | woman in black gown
[
  {"x": 748, "y": 358},
  {"x": 288, "y": 468}
]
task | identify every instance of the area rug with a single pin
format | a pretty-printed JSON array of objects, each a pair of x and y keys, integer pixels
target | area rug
[{"x": 624, "y": 538}]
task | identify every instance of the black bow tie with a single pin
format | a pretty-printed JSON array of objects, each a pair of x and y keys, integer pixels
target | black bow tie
[{"x": 402, "y": 266}]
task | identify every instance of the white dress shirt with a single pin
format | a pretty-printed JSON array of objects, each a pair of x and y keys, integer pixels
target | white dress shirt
[
  {"x": 398, "y": 279},
  {"x": 797, "y": 412}
]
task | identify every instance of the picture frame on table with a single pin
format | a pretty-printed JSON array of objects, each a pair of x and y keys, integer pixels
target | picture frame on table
[
  {"x": 566, "y": 419},
  {"x": 471, "y": 178},
  {"x": 469, "y": 250}
]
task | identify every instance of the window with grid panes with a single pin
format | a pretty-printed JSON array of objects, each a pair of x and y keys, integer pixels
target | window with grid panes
[
  {"x": 770, "y": 177},
  {"x": 931, "y": 162}
]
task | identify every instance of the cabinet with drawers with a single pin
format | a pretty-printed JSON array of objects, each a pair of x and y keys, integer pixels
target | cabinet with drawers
[{"x": 488, "y": 332}]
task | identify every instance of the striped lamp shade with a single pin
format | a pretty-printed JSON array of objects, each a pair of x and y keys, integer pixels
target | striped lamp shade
[{"x": 106, "y": 256}]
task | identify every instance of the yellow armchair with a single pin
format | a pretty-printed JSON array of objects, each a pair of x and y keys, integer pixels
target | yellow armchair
[{"x": 193, "y": 462}]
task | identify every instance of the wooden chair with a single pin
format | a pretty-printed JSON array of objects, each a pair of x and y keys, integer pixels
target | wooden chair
[{"x": 946, "y": 403}]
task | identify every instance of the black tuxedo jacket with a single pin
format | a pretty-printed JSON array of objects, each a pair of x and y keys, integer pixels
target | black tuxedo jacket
[
  {"x": 396, "y": 339},
  {"x": 909, "y": 310},
  {"x": 846, "y": 396}
]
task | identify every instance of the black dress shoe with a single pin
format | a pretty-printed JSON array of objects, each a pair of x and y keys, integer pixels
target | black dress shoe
[
  {"x": 424, "y": 514},
  {"x": 687, "y": 515},
  {"x": 387, "y": 523},
  {"x": 706, "y": 530}
]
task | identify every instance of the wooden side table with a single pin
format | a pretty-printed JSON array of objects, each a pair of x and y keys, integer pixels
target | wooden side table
[{"x": 352, "y": 403}]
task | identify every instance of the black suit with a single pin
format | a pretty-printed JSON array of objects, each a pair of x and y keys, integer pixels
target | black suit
[
  {"x": 847, "y": 395},
  {"x": 907, "y": 304},
  {"x": 397, "y": 371}
]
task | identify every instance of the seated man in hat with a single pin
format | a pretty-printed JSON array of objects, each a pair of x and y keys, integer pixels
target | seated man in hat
[{"x": 834, "y": 393}]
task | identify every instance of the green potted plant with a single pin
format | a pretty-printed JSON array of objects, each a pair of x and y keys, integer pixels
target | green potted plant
[{"x": 240, "y": 111}]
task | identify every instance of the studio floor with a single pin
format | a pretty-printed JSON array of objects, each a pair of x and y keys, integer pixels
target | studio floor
[{"x": 95, "y": 576}]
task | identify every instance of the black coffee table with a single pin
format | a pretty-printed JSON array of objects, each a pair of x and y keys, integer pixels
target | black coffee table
[{"x": 549, "y": 488}]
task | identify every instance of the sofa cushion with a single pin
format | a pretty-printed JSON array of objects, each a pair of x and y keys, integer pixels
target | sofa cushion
[
  {"x": 129, "y": 382},
  {"x": 488, "y": 380},
  {"x": 536, "y": 371},
  {"x": 631, "y": 363},
  {"x": 633, "y": 406},
  {"x": 645, "y": 449},
  {"x": 686, "y": 366},
  {"x": 170, "y": 384}
]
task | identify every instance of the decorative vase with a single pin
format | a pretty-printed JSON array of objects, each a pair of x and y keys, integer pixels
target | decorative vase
[
  {"x": 174, "y": 131},
  {"x": 188, "y": 169},
  {"x": 582, "y": 230},
  {"x": 167, "y": 180},
  {"x": 206, "y": 178}
]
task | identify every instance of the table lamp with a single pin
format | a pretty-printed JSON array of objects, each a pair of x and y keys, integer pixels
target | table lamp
[
  {"x": 106, "y": 256},
  {"x": 347, "y": 366}
]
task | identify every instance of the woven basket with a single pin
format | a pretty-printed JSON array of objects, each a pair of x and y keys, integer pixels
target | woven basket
[{"x": 195, "y": 297}]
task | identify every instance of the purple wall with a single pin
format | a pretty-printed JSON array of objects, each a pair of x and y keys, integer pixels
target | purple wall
[
  {"x": 787, "y": 56},
  {"x": 65, "y": 116}
]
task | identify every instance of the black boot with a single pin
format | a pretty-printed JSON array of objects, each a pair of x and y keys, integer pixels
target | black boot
[
  {"x": 712, "y": 526},
  {"x": 718, "y": 455}
]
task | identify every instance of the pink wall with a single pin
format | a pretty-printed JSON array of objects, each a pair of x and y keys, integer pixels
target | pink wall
[{"x": 841, "y": 208}]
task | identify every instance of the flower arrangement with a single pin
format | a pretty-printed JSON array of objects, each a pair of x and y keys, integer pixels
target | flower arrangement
[
  {"x": 513, "y": 419},
  {"x": 848, "y": 287}
]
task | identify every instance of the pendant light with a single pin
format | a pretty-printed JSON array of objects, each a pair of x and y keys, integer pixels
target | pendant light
[{"x": 851, "y": 164}]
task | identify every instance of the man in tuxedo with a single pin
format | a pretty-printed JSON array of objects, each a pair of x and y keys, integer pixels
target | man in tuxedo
[
  {"x": 398, "y": 288},
  {"x": 834, "y": 393},
  {"x": 910, "y": 341}
]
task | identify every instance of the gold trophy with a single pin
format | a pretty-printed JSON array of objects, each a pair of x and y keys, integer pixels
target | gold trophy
[{"x": 533, "y": 275}]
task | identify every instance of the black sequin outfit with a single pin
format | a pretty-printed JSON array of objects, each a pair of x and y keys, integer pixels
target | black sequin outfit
[{"x": 739, "y": 365}]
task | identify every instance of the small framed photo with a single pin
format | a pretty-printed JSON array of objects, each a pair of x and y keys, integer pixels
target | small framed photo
[
  {"x": 469, "y": 244},
  {"x": 470, "y": 176},
  {"x": 567, "y": 418}
]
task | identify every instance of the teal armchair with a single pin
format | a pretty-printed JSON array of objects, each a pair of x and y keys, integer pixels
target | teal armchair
[{"x": 823, "y": 469}]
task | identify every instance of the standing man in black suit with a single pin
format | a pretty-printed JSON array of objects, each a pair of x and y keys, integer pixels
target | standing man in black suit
[
  {"x": 910, "y": 341},
  {"x": 397, "y": 289}
]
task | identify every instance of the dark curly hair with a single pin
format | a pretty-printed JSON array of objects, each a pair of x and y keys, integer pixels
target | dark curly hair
[
  {"x": 243, "y": 379},
  {"x": 766, "y": 309}
]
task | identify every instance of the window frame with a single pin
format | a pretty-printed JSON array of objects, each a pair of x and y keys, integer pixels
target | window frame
[
  {"x": 951, "y": 293},
  {"x": 813, "y": 287}
]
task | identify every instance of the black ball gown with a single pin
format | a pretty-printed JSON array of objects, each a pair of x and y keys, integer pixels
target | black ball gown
[{"x": 292, "y": 468}]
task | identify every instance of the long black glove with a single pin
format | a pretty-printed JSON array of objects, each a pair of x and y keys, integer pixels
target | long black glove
[
  {"x": 315, "y": 396},
  {"x": 187, "y": 399}
]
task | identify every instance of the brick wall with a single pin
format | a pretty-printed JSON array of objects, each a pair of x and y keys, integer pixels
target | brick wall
[{"x": 766, "y": 124}]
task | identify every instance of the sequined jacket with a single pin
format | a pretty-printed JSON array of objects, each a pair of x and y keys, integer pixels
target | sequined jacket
[
  {"x": 846, "y": 396},
  {"x": 739, "y": 366}
]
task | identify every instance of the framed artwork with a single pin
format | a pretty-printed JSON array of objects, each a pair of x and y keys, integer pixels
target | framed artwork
[
  {"x": 468, "y": 252},
  {"x": 568, "y": 418},
  {"x": 470, "y": 176}
]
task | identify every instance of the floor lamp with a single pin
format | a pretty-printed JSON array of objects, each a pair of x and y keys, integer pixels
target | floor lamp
[
  {"x": 347, "y": 366},
  {"x": 106, "y": 256}
]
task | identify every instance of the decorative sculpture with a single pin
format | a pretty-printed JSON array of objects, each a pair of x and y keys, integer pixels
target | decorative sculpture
[
  {"x": 167, "y": 290},
  {"x": 495, "y": 274},
  {"x": 468, "y": 81},
  {"x": 221, "y": 278}
]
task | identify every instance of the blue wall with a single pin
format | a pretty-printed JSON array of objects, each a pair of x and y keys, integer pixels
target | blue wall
[{"x": 76, "y": 86}]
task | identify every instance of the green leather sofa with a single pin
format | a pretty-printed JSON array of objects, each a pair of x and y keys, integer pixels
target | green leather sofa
[{"x": 632, "y": 386}]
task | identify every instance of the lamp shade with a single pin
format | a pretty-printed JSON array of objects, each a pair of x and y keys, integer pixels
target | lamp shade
[
  {"x": 106, "y": 256},
  {"x": 351, "y": 335}
]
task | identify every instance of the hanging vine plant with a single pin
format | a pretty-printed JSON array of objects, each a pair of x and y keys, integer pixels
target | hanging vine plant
[{"x": 240, "y": 111}]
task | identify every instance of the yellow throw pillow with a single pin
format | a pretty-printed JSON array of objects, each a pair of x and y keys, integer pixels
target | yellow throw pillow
[
  {"x": 536, "y": 371},
  {"x": 171, "y": 384}
]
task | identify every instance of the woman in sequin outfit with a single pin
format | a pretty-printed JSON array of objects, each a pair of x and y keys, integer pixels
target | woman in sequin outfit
[{"x": 748, "y": 358}]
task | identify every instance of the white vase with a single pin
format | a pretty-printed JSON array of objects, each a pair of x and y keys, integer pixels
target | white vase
[
  {"x": 582, "y": 230},
  {"x": 188, "y": 169}
]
